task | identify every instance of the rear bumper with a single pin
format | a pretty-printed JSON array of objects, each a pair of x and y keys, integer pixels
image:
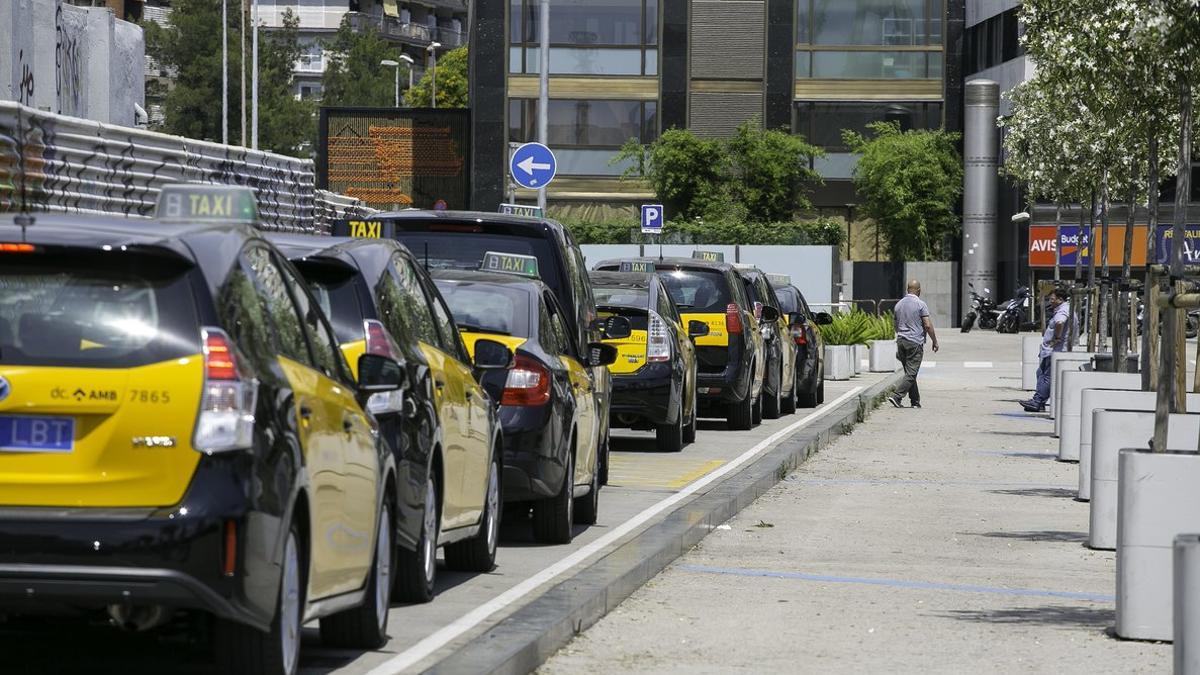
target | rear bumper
[
  {"x": 651, "y": 395},
  {"x": 733, "y": 384},
  {"x": 532, "y": 468}
]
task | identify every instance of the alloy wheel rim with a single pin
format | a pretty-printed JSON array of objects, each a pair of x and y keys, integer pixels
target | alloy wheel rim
[
  {"x": 290, "y": 607},
  {"x": 429, "y": 554},
  {"x": 383, "y": 568},
  {"x": 493, "y": 508}
]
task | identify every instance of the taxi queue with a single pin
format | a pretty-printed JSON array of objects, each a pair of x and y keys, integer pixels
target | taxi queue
[{"x": 254, "y": 431}]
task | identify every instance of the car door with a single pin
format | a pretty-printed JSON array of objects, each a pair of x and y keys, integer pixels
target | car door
[
  {"x": 349, "y": 439},
  {"x": 468, "y": 394},
  {"x": 683, "y": 344},
  {"x": 583, "y": 390},
  {"x": 601, "y": 378}
]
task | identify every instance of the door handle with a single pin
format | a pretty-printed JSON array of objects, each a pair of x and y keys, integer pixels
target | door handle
[
  {"x": 305, "y": 412},
  {"x": 348, "y": 424},
  {"x": 440, "y": 384}
]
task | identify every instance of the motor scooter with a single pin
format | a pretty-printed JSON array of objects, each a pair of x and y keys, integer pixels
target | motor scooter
[
  {"x": 1012, "y": 312},
  {"x": 983, "y": 309}
]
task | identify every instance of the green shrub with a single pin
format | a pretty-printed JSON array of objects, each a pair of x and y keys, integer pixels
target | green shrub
[
  {"x": 850, "y": 328},
  {"x": 822, "y": 231},
  {"x": 885, "y": 328}
]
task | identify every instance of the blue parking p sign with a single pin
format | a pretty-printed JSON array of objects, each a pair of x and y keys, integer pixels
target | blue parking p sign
[{"x": 652, "y": 219}]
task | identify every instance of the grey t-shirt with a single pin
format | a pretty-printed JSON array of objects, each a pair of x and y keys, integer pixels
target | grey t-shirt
[{"x": 909, "y": 312}]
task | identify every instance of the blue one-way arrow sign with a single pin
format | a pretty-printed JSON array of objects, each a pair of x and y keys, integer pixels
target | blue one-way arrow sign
[{"x": 532, "y": 166}]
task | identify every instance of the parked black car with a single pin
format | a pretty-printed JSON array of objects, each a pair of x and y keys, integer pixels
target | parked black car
[{"x": 803, "y": 326}]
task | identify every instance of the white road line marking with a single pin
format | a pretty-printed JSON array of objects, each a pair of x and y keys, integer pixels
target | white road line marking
[
  {"x": 929, "y": 364},
  {"x": 977, "y": 364},
  {"x": 473, "y": 618}
]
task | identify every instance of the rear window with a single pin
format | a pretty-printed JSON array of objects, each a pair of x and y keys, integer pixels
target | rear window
[
  {"x": 638, "y": 298},
  {"x": 697, "y": 291},
  {"x": 465, "y": 250},
  {"x": 789, "y": 299},
  {"x": 487, "y": 308},
  {"x": 335, "y": 290},
  {"x": 90, "y": 311}
]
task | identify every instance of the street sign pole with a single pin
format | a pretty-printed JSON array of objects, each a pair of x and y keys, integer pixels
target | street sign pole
[
  {"x": 652, "y": 223},
  {"x": 543, "y": 85}
]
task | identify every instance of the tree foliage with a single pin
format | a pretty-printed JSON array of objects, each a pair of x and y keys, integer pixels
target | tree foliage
[
  {"x": 452, "y": 83},
  {"x": 191, "y": 45},
  {"x": 910, "y": 182},
  {"x": 771, "y": 174},
  {"x": 823, "y": 231},
  {"x": 353, "y": 76}
]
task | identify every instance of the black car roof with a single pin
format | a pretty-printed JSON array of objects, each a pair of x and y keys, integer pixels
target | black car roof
[
  {"x": 477, "y": 216},
  {"x": 694, "y": 263},
  {"x": 370, "y": 256},
  {"x": 498, "y": 278},
  {"x": 623, "y": 279},
  {"x": 93, "y": 231}
]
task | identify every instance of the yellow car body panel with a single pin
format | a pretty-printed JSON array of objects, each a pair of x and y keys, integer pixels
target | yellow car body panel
[
  {"x": 132, "y": 436},
  {"x": 717, "y": 335},
  {"x": 353, "y": 350},
  {"x": 469, "y": 339},
  {"x": 631, "y": 353},
  {"x": 587, "y": 424}
]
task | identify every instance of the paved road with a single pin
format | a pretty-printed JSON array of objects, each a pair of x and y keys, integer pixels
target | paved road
[
  {"x": 466, "y": 604},
  {"x": 937, "y": 540}
]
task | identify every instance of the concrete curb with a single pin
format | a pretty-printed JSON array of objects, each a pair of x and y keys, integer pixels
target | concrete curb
[{"x": 524, "y": 640}]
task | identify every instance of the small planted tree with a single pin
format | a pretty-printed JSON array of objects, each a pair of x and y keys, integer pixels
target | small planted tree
[
  {"x": 910, "y": 182},
  {"x": 452, "y": 83},
  {"x": 771, "y": 172},
  {"x": 354, "y": 76},
  {"x": 687, "y": 172}
]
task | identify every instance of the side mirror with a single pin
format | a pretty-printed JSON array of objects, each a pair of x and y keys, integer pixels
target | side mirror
[
  {"x": 492, "y": 355},
  {"x": 614, "y": 328},
  {"x": 697, "y": 329},
  {"x": 600, "y": 354},
  {"x": 769, "y": 313},
  {"x": 823, "y": 318},
  {"x": 380, "y": 374},
  {"x": 796, "y": 319}
]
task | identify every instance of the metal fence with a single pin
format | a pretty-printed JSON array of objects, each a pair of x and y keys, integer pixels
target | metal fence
[{"x": 61, "y": 164}]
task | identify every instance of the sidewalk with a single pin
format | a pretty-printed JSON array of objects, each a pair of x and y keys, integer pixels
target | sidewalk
[{"x": 943, "y": 539}]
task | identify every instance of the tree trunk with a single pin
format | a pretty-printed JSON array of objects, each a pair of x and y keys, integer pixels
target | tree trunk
[
  {"x": 1091, "y": 303},
  {"x": 1149, "y": 339},
  {"x": 1104, "y": 311},
  {"x": 1121, "y": 291}
]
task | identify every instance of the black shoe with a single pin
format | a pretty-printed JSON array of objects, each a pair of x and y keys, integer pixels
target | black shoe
[
  {"x": 896, "y": 400},
  {"x": 1033, "y": 407},
  {"x": 916, "y": 404}
]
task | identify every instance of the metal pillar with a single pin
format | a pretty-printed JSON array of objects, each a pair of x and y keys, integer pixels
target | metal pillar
[
  {"x": 980, "y": 149},
  {"x": 543, "y": 85}
]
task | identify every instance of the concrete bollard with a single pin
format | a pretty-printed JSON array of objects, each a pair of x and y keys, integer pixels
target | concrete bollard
[
  {"x": 1058, "y": 362},
  {"x": 860, "y": 353},
  {"x": 1030, "y": 346},
  {"x": 837, "y": 362},
  {"x": 883, "y": 356},
  {"x": 1073, "y": 384},
  {"x": 1158, "y": 502},
  {"x": 1187, "y": 604}
]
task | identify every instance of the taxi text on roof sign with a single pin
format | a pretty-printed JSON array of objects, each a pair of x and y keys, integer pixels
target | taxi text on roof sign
[
  {"x": 363, "y": 229},
  {"x": 525, "y": 265},
  {"x": 711, "y": 256},
  {"x": 637, "y": 266},
  {"x": 779, "y": 279},
  {"x": 207, "y": 203},
  {"x": 522, "y": 210}
]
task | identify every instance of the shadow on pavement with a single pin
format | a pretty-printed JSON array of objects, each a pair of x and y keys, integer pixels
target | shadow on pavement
[
  {"x": 1049, "y": 615},
  {"x": 1038, "y": 492},
  {"x": 1028, "y": 434},
  {"x": 1036, "y": 535}
]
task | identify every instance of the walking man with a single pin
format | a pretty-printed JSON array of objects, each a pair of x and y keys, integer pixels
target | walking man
[
  {"x": 1053, "y": 340},
  {"x": 912, "y": 325}
]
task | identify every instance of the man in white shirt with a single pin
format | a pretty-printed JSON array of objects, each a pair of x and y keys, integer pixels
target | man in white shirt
[
  {"x": 1058, "y": 330},
  {"x": 911, "y": 317}
]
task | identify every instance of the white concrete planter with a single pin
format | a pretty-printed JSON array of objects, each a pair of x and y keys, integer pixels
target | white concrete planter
[
  {"x": 837, "y": 362},
  {"x": 1110, "y": 399},
  {"x": 1060, "y": 361},
  {"x": 883, "y": 356},
  {"x": 860, "y": 353},
  {"x": 1158, "y": 502},
  {"x": 1115, "y": 430},
  {"x": 1030, "y": 346},
  {"x": 1073, "y": 383},
  {"x": 1187, "y": 604}
]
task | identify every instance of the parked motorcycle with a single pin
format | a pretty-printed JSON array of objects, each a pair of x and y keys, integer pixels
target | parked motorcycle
[
  {"x": 983, "y": 309},
  {"x": 1012, "y": 312},
  {"x": 1193, "y": 321}
]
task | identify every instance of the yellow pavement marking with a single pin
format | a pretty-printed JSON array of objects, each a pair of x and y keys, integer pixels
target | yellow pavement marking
[{"x": 651, "y": 471}]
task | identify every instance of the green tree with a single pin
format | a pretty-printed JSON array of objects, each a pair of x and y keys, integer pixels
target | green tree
[
  {"x": 191, "y": 45},
  {"x": 451, "y": 82},
  {"x": 910, "y": 182},
  {"x": 771, "y": 172},
  {"x": 354, "y": 76},
  {"x": 689, "y": 173}
]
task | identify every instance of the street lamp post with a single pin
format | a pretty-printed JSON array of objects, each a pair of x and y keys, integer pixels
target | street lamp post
[
  {"x": 225, "y": 72},
  {"x": 432, "y": 50},
  {"x": 408, "y": 60},
  {"x": 254, "y": 76},
  {"x": 388, "y": 63}
]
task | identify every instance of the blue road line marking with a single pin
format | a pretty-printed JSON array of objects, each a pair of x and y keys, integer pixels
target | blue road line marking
[
  {"x": 1014, "y": 453},
  {"x": 900, "y": 583},
  {"x": 1023, "y": 416}
]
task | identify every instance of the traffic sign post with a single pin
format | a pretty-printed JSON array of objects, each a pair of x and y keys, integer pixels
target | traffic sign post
[
  {"x": 532, "y": 166},
  {"x": 652, "y": 219}
]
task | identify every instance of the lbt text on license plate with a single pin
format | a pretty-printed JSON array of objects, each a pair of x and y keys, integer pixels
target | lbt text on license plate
[{"x": 36, "y": 434}]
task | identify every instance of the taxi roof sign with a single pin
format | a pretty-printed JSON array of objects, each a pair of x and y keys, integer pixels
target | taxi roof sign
[
  {"x": 510, "y": 263},
  {"x": 637, "y": 266},
  {"x": 779, "y": 279},
  {"x": 522, "y": 210},
  {"x": 711, "y": 256},
  {"x": 193, "y": 202}
]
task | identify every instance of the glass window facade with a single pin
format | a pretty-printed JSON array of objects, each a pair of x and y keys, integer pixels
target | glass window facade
[
  {"x": 992, "y": 42},
  {"x": 851, "y": 65},
  {"x": 585, "y": 134},
  {"x": 821, "y": 123},
  {"x": 847, "y": 39},
  {"x": 587, "y": 37}
]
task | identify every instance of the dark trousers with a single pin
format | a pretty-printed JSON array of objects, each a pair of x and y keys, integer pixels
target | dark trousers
[
  {"x": 909, "y": 354},
  {"x": 1042, "y": 395}
]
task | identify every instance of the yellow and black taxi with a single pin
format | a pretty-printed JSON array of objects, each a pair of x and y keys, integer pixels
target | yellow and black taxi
[
  {"x": 810, "y": 348},
  {"x": 444, "y": 430},
  {"x": 654, "y": 375},
  {"x": 460, "y": 240},
  {"x": 547, "y": 404},
  {"x": 779, "y": 384},
  {"x": 730, "y": 359},
  {"x": 180, "y": 433}
]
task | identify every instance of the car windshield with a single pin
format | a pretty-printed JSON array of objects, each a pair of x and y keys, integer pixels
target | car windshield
[
  {"x": 697, "y": 291},
  {"x": 74, "y": 310},
  {"x": 334, "y": 289},
  {"x": 487, "y": 308},
  {"x": 637, "y": 298}
]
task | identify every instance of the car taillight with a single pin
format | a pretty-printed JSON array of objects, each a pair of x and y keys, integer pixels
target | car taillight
[
  {"x": 17, "y": 248},
  {"x": 226, "y": 418},
  {"x": 658, "y": 345},
  {"x": 733, "y": 319},
  {"x": 528, "y": 383},
  {"x": 799, "y": 335},
  {"x": 379, "y": 343}
]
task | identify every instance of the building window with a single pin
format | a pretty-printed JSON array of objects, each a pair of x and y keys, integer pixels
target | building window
[
  {"x": 822, "y": 123},
  {"x": 585, "y": 134},
  {"x": 847, "y": 39},
  {"x": 989, "y": 43},
  {"x": 312, "y": 59},
  {"x": 587, "y": 37},
  {"x": 310, "y": 91}
]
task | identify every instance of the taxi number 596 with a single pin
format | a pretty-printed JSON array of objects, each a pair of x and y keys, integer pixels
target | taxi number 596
[{"x": 149, "y": 396}]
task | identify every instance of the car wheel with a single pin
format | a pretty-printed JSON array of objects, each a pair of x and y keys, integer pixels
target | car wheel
[
  {"x": 789, "y": 401},
  {"x": 553, "y": 517},
  {"x": 757, "y": 411},
  {"x": 587, "y": 507},
  {"x": 740, "y": 416},
  {"x": 478, "y": 554},
  {"x": 416, "y": 570},
  {"x": 689, "y": 430},
  {"x": 821, "y": 392},
  {"x": 771, "y": 405},
  {"x": 365, "y": 626},
  {"x": 244, "y": 649},
  {"x": 604, "y": 458},
  {"x": 669, "y": 437}
]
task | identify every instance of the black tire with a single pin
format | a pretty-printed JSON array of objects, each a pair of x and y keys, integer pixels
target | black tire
[
  {"x": 771, "y": 403},
  {"x": 245, "y": 650},
  {"x": 365, "y": 626},
  {"x": 604, "y": 458},
  {"x": 821, "y": 392},
  {"x": 740, "y": 416},
  {"x": 669, "y": 437},
  {"x": 689, "y": 429},
  {"x": 478, "y": 554},
  {"x": 553, "y": 516},
  {"x": 587, "y": 507},
  {"x": 789, "y": 401},
  {"x": 416, "y": 570},
  {"x": 757, "y": 410}
]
